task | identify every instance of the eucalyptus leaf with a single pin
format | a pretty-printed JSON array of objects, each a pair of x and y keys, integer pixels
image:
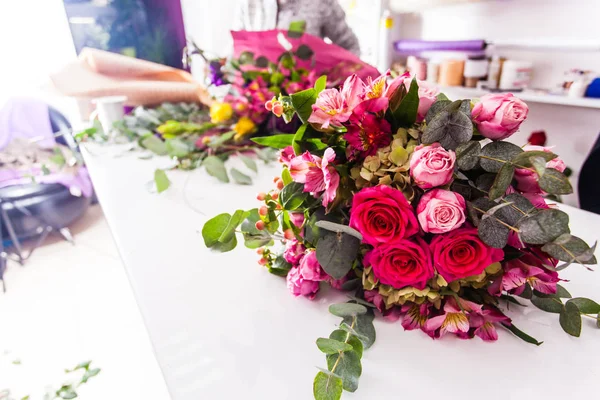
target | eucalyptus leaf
[
  {"x": 336, "y": 253},
  {"x": 161, "y": 180},
  {"x": 544, "y": 226},
  {"x": 239, "y": 177},
  {"x": 586, "y": 306},
  {"x": 332, "y": 346},
  {"x": 570, "y": 319},
  {"x": 364, "y": 327},
  {"x": 333, "y": 227},
  {"x": 219, "y": 140},
  {"x": 216, "y": 167},
  {"x": 177, "y": 148},
  {"x": 527, "y": 292},
  {"x": 502, "y": 181},
  {"x": 484, "y": 182},
  {"x": 246, "y": 57},
  {"x": 155, "y": 145},
  {"x": 494, "y": 151},
  {"x": 493, "y": 232},
  {"x": 248, "y": 162},
  {"x": 276, "y": 141},
  {"x": 212, "y": 231},
  {"x": 519, "y": 207},
  {"x": 555, "y": 182},
  {"x": 561, "y": 293},
  {"x": 449, "y": 128},
  {"x": 467, "y": 155},
  {"x": 352, "y": 340},
  {"x": 262, "y": 62},
  {"x": 347, "y": 309},
  {"x": 570, "y": 248},
  {"x": 327, "y": 387},
  {"x": 436, "y": 108},
  {"x": 548, "y": 304},
  {"x": 524, "y": 159},
  {"x": 348, "y": 367},
  {"x": 521, "y": 335}
]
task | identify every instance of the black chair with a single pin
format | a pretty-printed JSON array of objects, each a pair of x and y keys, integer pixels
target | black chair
[
  {"x": 589, "y": 186},
  {"x": 34, "y": 210}
]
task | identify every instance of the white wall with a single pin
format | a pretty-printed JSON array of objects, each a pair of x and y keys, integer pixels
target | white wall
[{"x": 572, "y": 130}]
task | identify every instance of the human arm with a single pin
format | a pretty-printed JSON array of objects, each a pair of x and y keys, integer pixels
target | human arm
[{"x": 336, "y": 28}]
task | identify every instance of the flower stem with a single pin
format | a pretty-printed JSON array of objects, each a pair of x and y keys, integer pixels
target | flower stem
[
  {"x": 345, "y": 341},
  {"x": 501, "y": 222}
]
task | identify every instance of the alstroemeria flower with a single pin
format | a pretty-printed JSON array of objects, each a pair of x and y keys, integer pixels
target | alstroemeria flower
[
  {"x": 368, "y": 134},
  {"x": 317, "y": 175},
  {"x": 484, "y": 323},
  {"x": 415, "y": 316},
  {"x": 529, "y": 268},
  {"x": 454, "y": 319},
  {"x": 334, "y": 107}
]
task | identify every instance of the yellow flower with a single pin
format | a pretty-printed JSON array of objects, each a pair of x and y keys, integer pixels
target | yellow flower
[
  {"x": 245, "y": 126},
  {"x": 220, "y": 112}
]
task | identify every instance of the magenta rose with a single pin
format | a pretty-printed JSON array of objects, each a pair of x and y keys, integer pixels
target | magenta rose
[
  {"x": 527, "y": 180},
  {"x": 382, "y": 215},
  {"x": 294, "y": 251},
  {"x": 310, "y": 267},
  {"x": 499, "y": 115},
  {"x": 432, "y": 166},
  {"x": 440, "y": 211},
  {"x": 403, "y": 263},
  {"x": 460, "y": 253}
]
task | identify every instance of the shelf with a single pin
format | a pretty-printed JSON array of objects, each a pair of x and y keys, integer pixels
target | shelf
[{"x": 528, "y": 96}]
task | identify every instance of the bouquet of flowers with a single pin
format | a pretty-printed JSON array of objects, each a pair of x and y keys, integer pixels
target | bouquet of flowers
[{"x": 418, "y": 205}]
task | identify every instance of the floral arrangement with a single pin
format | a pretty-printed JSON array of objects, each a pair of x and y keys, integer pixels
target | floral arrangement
[{"x": 418, "y": 205}]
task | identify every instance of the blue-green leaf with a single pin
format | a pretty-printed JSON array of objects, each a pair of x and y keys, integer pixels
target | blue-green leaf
[
  {"x": 327, "y": 387},
  {"x": 332, "y": 346},
  {"x": 239, "y": 177},
  {"x": 216, "y": 167}
]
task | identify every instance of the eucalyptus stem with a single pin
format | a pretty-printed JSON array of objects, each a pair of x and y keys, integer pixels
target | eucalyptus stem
[
  {"x": 507, "y": 162},
  {"x": 501, "y": 222},
  {"x": 345, "y": 341}
]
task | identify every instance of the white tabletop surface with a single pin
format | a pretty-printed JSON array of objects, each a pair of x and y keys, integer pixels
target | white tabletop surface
[{"x": 224, "y": 328}]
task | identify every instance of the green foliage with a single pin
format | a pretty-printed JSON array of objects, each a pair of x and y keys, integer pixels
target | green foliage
[
  {"x": 348, "y": 309},
  {"x": 336, "y": 253},
  {"x": 406, "y": 113},
  {"x": 304, "y": 52},
  {"x": 246, "y": 57},
  {"x": 296, "y": 29},
  {"x": 548, "y": 304},
  {"x": 292, "y": 196},
  {"x": 554, "y": 182},
  {"x": 254, "y": 238},
  {"x": 161, "y": 181},
  {"x": 216, "y": 167},
  {"x": 303, "y": 101},
  {"x": 502, "y": 181},
  {"x": 543, "y": 226},
  {"x": 239, "y": 177},
  {"x": 495, "y": 154},
  {"x": 177, "y": 148},
  {"x": 450, "y": 127},
  {"x": 320, "y": 84},
  {"x": 521, "y": 335},
  {"x": 332, "y": 346},
  {"x": 570, "y": 319},
  {"x": 569, "y": 248},
  {"x": 155, "y": 145},
  {"x": 276, "y": 141},
  {"x": 213, "y": 231},
  {"x": 467, "y": 155},
  {"x": 248, "y": 162},
  {"x": 263, "y": 62},
  {"x": 586, "y": 306},
  {"x": 327, "y": 387}
]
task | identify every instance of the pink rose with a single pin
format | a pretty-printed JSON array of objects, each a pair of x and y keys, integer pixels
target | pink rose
[
  {"x": 432, "y": 166},
  {"x": 499, "y": 115},
  {"x": 461, "y": 253},
  {"x": 382, "y": 215},
  {"x": 402, "y": 263},
  {"x": 298, "y": 285},
  {"x": 527, "y": 180},
  {"x": 440, "y": 211},
  {"x": 294, "y": 251},
  {"x": 310, "y": 268}
]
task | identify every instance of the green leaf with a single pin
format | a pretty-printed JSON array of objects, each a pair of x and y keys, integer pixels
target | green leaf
[
  {"x": 503, "y": 151},
  {"x": 586, "y": 306},
  {"x": 570, "y": 319},
  {"x": 352, "y": 340},
  {"x": 155, "y": 145},
  {"x": 333, "y": 227},
  {"x": 347, "y": 309},
  {"x": 555, "y": 182},
  {"x": 82, "y": 365},
  {"x": 254, "y": 238},
  {"x": 219, "y": 140},
  {"x": 212, "y": 231},
  {"x": 450, "y": 128},
  {"x": 493, "y": 232},
  {"x": 304, "y": 52},
  {"x": 280, "y": 267},
  {"x": 571, "y": 249},
  {"x": 544, "y": 226},
  {"x": 524, "y": 159},
  {"x": 527, "y": 292},
  {"x": 321, "y": 84},
  {"x": 90, "y": 374},
  {"x": 236, "y": 219},
  {"x": 248, "y": 162},
  {"x": 276, "y": 141},
  {"x": 292, "y": 196},
  {"x": 161, "y": 180},
  {"x": 302, "y": 102},
  {"x": 467, "y": 155},
  {"x": 548, "y": 304},
  {"x": 276, "y": 78},
  {"x": 364, "y": 326},
  {"x": 348, "y": 367},
  {"x": 247, "y": 57},
  {"x": 336, "y": 253},
  {"x": 436, "y": 108},
  {"x": 502, "y": 181},
  {"x": 177, "y": 148},
  {"x": 519, "y": 207},
  {"x": 239, "y": 177},
  {"x": 332, "y": 346},
  {"x": 296, "y": 29},
  {"x": 216, "y": 167},
  {"x": 561, "y": 293},
  {"x": 327, "y": 387},
  {"x": 598, "y": 320},
  {"x": 406, "y": 114},
  {"x": 286, "y": 176},
  {"x": 520, "y": 334},
  {"x": 67, "y": 393}
]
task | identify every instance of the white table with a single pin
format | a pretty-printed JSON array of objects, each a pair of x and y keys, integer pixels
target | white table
[{"x": 224, "y": 328}]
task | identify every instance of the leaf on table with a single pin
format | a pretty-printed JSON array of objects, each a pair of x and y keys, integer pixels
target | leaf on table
[
  {"x": 586, "y": 306},
  {"x": 161, "y": 180},
  {"x": 239, "y": 177},
  {"x": 327, "y": 387},
  {"x": 521, "y": 335},
  {"x": 348, "y": 367},
  {"x": 570, "y": 319},
  {"x": 216, "y": 167},
  {"x": 248, "y": 162},
  {"x": 548, "y": 304},
  {"x": 155, "y": 145},
  {"x": 352, "y": 340},
  {"x": 365, "y": 328}
]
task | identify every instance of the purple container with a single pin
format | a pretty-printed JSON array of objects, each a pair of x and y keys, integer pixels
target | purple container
[{"x": 412, "y": 46}]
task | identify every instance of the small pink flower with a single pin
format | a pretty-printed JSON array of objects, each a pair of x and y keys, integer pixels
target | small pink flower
[
  {"x": 527, "y": 180},
  {"x": 299, "y": 286},
  {"x": 440, "y": 211},
  {"x": 499, "y": 115},
  {"x": 432, "y": 166},
  {"x": 415, "y": 316},
  {"x": 368, "y": 135},
  {"x": 294, "y": 251},
  {"x": 454, "y": 320},
  {"x": 310, "y": 267},
  {"x": 286, "y": 156},
  {"x": 329, "y": 109},
  {"x": 318, "y": 175},
  {"x": 484, "y": 323},
  {"x": 530, "y": 268}
]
